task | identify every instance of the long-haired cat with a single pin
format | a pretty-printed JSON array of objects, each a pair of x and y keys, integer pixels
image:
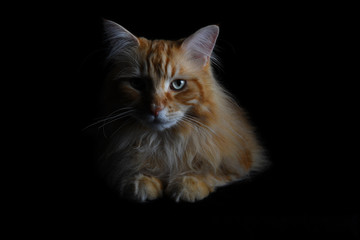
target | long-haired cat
[{"x": 173, "y": 129}]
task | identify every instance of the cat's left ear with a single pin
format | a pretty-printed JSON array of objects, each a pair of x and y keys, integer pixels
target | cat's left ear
[{"x": 199, "y": 46}]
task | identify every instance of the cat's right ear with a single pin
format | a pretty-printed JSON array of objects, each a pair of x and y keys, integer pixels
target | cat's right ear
[{"x": 118, "y": 38}]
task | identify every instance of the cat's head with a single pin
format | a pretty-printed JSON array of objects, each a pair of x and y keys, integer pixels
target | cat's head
[{"x": 161, "y": 83}]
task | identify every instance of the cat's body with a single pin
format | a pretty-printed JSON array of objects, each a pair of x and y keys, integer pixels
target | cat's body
[{"x": 174, "y": 129}]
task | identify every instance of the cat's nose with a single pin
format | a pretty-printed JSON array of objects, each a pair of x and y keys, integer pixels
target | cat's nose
[{"x": 155, "y": 110}]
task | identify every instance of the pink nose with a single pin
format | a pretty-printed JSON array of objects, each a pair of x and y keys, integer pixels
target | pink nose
[{"x": 156, "y": 110}]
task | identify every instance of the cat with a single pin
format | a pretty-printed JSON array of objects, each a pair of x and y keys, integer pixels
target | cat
[{"x": 174, "y": 130}]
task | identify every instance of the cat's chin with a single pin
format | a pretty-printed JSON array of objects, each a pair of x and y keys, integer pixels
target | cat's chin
[{"x": 157, "y": 126}]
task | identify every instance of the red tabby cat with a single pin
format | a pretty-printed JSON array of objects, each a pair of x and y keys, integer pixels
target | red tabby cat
[{"x": 175, "y": 130}]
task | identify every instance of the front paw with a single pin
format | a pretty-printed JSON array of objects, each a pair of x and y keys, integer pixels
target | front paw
[
  {"x": 142, "y": 188},
  {"x": 189, "y": 189}
]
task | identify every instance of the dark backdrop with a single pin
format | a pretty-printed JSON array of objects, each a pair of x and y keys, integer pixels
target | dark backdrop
[{"x": 286, "y": 65}]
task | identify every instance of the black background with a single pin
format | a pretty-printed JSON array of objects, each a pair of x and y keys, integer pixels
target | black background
[{"x": 287, "y": 65}]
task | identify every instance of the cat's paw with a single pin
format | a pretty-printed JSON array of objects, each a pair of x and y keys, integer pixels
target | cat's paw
[
  {"x": 189, "y": 189},
  {"x": 145, "y": 188}
]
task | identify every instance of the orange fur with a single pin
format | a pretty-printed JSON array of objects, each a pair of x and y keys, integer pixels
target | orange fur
[{"x": 211, "y": 143}]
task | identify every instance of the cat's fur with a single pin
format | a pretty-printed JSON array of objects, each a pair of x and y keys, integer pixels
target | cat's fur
[{"x": 183, "y": 143}]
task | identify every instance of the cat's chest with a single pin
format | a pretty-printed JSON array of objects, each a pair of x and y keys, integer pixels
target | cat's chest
[
  {"x": 158, "y": 147},
  {"x": 162, "y": 154}
]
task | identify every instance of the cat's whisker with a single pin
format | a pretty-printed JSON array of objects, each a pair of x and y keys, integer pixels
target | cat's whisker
[
  {"x": 108, "y": 117},
  {"x": 196, "y": 127},
  {"x": 172, "y": 115},
  {"x": 115, "y": 118},
  {"x": 112, "y": 116},
  {"x": 120, "y": 109},
  {"x": 192, "y": 119},
  {"x": 119, "y": 128},
  {"x": 188, "y": 123}
]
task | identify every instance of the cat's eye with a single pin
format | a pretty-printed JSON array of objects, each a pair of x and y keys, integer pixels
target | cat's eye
[
  {"x": 178, "y": 84},
  {"x": 138, "y": 83}
]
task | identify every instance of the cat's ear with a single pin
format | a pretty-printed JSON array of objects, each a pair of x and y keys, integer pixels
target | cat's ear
[
  {"x": 199, "y": 46},
  {"x": 118, "y": 38},
  {"x": 115, "y": 32}
]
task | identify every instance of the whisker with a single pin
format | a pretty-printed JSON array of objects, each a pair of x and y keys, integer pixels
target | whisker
[
  {"x": 120, "y": 109},
  {"x": 192, "y": 119},
  {"x": 118, "y": 129},
  {"x": 115, "y": 118},
  {"x": 196, "y": 127},
  {"x": 108, "y": 117},
  {"x": 181, "y": 121}
]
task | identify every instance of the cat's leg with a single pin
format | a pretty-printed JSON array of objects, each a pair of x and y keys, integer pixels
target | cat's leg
[
  {"x": 143, "y": 187},
  {"x": 189, "y": 188}
]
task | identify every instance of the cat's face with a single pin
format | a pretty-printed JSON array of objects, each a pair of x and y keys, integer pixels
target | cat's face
[{"x": 161, "y": 84}]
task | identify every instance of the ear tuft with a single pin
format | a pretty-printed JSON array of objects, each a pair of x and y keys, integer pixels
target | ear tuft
[{"x": 199, "y": 46}]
